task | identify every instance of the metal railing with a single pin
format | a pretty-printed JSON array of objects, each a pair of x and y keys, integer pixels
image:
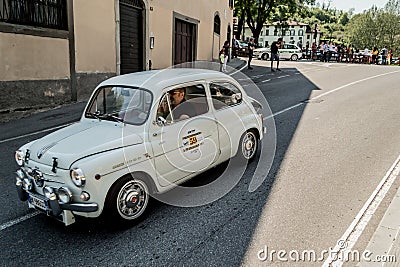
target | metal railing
[{"x": 39, "y": 13}]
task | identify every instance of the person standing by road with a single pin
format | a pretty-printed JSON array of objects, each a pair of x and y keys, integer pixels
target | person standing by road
[
  {"x": 384, "y": 53},
  {"x": 314, "y": 51},
  {"x": 390, "y": 56},
  {"x": 250, "y": 46},
  {"x": 275, "y": 53},
  {"x": 225, "y": 51},
  {"x": 375, "y": 53},
  {"x": 235, "y": 47},
  {"x": 321, "y": 52}
]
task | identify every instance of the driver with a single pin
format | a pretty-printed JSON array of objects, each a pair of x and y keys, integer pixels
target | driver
[{"x": 181, "y": 109}]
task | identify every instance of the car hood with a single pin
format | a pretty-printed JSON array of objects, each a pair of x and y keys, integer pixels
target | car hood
[{"x": 79, "y": 141}]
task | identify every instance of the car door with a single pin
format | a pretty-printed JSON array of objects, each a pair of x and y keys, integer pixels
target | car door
[
  {"x": 284, "y": 52},
  {"x": 186, "y": 145}
]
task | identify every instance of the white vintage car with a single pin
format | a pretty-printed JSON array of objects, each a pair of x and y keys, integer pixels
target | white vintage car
[{"x": 133, "y": 142}]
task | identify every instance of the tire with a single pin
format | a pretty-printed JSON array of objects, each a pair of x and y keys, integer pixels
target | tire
[
  {"x": 248, "y": 146},
  {"x": 294, "y": 57},
  {"x": 127, "y": 200},
  {"x": 265, "y": 56}
]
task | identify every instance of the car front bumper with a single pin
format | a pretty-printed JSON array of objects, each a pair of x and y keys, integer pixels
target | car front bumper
[{"x": 51, "y": 206}]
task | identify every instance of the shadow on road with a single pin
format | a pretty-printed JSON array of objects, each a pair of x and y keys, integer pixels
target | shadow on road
[{"x": 217, "y": 234}]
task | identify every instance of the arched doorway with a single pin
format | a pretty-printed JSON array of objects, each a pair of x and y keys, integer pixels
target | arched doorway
[
  {"x": 216, "y": 37},
  {"x": 131, "y": 29}
]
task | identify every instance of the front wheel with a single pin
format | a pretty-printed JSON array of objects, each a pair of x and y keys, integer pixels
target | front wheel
[
  {"x": 248, "y": 145},
  {"x": 127, "y": 199},
  {"x": 294, "y": 57},
  {"x": 265, "y": 56}
]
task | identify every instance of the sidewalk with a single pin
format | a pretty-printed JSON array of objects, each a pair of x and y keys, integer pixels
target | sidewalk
[
  {"x": 385, "y": 242},
  {"x": 237, "y": 63}
]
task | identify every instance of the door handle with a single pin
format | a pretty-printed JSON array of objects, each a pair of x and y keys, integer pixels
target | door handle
[{"x": 157, "y": 133}]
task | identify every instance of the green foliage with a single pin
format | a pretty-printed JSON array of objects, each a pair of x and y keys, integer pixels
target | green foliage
[
  {"x": 376, "y": 27},
  {"x": 257, "y": 12}
]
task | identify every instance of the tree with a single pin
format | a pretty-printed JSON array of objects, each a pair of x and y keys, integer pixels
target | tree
[
  {"x": 377, "y": 27},
  {"x": 258, "y": 12},
  {"x": 240, "y": 12}
]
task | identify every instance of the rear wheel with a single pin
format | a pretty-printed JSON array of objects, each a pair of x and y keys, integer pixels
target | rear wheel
[
  {"x": 294, "y": 57},
  {"x": 248, "y": 145},
  {"x": 265, "y": 56}
]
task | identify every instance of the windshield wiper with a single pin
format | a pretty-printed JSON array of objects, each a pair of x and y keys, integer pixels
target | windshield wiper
[
  {"x": 112, "y": 117},
  {"x": 94, "y": 115}
]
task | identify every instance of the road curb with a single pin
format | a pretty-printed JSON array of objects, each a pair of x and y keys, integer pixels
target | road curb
[{"x": 386, "y": 239}]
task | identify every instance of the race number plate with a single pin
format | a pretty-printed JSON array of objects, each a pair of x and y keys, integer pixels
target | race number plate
[{"x": 37, "y": 202}]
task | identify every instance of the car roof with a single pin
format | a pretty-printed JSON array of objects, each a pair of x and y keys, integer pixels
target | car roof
[{"x": 157, "y": 80}]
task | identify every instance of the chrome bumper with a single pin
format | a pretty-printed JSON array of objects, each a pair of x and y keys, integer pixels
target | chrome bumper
[{"x": 54, "y": 208}]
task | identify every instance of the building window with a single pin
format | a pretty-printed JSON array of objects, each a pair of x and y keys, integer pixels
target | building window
[
  {"x": 231, "y": 4},
  {"x": 266, "y": 32},
  {"x": 308, "y": 37},
  {"x": 37, "y": 13},
  {"x": 292, "y": 32},
  {"x": 217, "y": 24},
  {"x": 301, "y": 32},
  {"x": 276, "y": 32}
]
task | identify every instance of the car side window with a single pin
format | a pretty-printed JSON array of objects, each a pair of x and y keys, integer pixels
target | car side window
[
  {"x": 225, "y": 95},
  {"x": 182, "y": 103}
]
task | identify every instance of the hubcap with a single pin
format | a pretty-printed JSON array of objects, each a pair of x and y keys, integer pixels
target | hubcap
[
  {"x": 132, "y": 199},
  {"x": 249, "y": 145}
]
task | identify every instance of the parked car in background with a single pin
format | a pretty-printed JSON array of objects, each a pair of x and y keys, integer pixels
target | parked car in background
[
  {"x": 134, "y": 141},
  {"x": 243, "y": 50},
  {"x": 289, "y": 51}
]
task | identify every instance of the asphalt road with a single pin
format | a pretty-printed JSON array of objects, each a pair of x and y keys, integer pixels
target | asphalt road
[{"x": 337, "y": 136}]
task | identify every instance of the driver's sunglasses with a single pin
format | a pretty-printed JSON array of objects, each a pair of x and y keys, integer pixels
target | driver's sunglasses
[{"x": 173, "y": 93}]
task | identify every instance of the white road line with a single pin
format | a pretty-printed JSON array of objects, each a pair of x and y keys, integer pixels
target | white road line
[
  {"x": 284, "y": 76},
  {"x": 266, "y": 81},
  {"x": 18, "y": 220},
  {"x": 353, "y": 83},
  {"x": 283, "y": 111},
  {"x": 358, "y": 225},
  {"x": 233, "y": 73},
  {"x": 34, "y": 133}
]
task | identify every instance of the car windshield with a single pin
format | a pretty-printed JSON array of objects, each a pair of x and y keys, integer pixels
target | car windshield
[{"x": 121, "y": 104}]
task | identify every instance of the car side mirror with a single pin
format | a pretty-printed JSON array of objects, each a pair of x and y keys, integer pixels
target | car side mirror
[{"x": 161, "y": 121}]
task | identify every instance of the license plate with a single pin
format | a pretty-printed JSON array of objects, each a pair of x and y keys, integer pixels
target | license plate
[{"x": 37, "y": 202}]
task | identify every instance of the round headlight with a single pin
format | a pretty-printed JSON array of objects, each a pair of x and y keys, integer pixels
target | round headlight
[
  {"x": 19, "y": 157},
  {"x": 64, "y": 195},
  {"x": 48, "y": 192},
  {"x": 78, "y": 177},
  {"x": 27, "y": 183}
]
